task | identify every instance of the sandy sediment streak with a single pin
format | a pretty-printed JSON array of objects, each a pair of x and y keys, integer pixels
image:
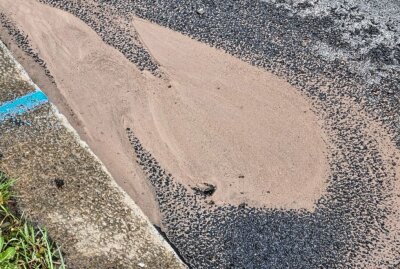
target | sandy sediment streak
[{"x": 89, "y": 74}]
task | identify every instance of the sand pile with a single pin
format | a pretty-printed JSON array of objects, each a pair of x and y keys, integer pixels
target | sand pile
[{"x": 210, "y": 119}]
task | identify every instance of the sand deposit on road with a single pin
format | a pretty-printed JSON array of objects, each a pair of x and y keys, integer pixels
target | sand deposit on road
[
  {"x": 212, "y": 118},
  {"x": 223, "y": 118}
]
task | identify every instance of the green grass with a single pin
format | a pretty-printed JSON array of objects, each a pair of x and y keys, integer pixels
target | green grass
[{"x": 21, "y": 244}]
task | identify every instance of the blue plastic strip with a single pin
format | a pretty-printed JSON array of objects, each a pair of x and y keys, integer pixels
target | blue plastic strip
[{"x": 22, "y": 104}]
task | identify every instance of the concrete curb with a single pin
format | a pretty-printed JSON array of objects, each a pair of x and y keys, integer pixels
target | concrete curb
[{"x": 104, "y": 228}]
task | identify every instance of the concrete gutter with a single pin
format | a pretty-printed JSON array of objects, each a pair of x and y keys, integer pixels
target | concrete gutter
[{"x": 64, "y": 187}]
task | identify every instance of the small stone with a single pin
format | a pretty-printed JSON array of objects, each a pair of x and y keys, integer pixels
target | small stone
[
  {"x": 141, "y": 265},
  {"x": 322, "y": 96},
  {"x": 59, "y": 183},
  {"x": 205, "y": 189},
  {"x": 200, "y": 11}
]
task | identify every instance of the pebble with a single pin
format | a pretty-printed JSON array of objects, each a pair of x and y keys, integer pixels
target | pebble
[{"x": 200, "y": 11}]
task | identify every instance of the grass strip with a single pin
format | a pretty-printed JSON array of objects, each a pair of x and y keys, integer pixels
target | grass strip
[{"x": 22, "y": 245}]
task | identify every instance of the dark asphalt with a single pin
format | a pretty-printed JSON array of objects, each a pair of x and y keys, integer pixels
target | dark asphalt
[{"x": 345, "y": 56}]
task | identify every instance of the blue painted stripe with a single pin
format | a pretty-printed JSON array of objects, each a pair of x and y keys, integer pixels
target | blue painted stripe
[{"x": 22, "y": 104}]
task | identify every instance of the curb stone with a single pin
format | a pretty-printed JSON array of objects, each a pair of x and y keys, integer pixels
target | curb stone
[{"x": 94, "y": 221}]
